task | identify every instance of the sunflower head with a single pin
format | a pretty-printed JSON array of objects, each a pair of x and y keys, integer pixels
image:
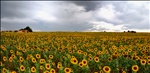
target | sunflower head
[
  {"x": 148, "y": 62},
  {"x": 96, "y": 59},
  {"x": 106, "y": 69},
  {"x": 42, "y": 61},
  {"x": 4, "y": 58},
  {"x": 135, "y": 68},
  {"x": 90, "y": 58},
  {"x": 80, "y": 64},
  {"x": 59, "y": 65},
  {"x": 143, "y": 61},
  {"x": 33, "y": 69},
  {"x": 13, "y": 72},
  {"x": 4, "y": 70},
  {"x": 67, "y": 70},
  {"x": 38, "y": 56},
  {"x": 22, "y": 68},
  {"x": 148, "y": 57},
  {"x": 47, "y": 66},
  {"x": 84, "y": 62},
  {"x": 10, "y": 59},
  {"x": 33, "y": 60},
  {"x": 51, "y": 56},
  {"x": 73, "y": 60},
  {"x": 46, "y": 71},
  {"x": 123, "y": 71},
  {"x": 1, "y": 64},
  {"x": 21, "y": 59},
  {"x": 41, "y": 67},
  {"x": 13, "y": 56},
  {"x": 52, "y": 71},
  {"x": 11, "y": 51}
]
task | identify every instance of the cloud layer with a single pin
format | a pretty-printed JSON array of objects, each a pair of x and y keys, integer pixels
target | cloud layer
[{"x": 76, "y": 15}]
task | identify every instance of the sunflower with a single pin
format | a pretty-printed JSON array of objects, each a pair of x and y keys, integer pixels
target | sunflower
[
  {"x": 99, "y": 52},
  {"x": 47, "y": 66},
  {"x": 135, "y": 68},
  {"x": 129, "y": 50},
  {"x": 22, "y": 68},
  {"x": 11, "y": 51},
  {"x": 85, "y": 53},
  {"x": 4, "y": 58},
  {"x": 137, "y": 57},
  {"x": 21, "y": 59},
  {"x": 13, "y": 72},
  {"x": 28, "y": 57},
  {"x": 109, "y": 59},
  {"x": 90, "y": 58},
  {"x": 123, "y": 71},
  {"x": 90, "y": 55},
  {"x": 46, "y": 71},
  {"x": 38, "y": 56},
  {"x": 52, "y": 71},
  {"x": 73, "y": 60},
  {"x": 10, "y": 59},
  {"x": 80, "y": 64},
  {"x": 96, "y": 59},
  {"x": 24, "y": 50},
  {"x": 1, "y": 64},
  {"x": 33, "y": 60},
  {"x": 73, "y": 57},
  {"x": 42, "y": 61},
  {"x": 67, "y": 70},
  {"x": 84, "y": 62},
  {"x": 4, "y": 70},
  {"x": 41, "y": 67},
  {"x": 106, "y": 69},
  {"x": 95, "y": 49},
  {"x": 79, "y": 51},
  {"x": 33, "y": 69},
  {"x": 70, "y": 51},
  {"x": 13, "y": 56},
  {"x": 59, "y": 65},
  {"x": 17, "y": 53},
  {"x": 101, "y": 71},
  {"x": 148, "y": 62},
  {"x": 148, "y": 57},
  {"x": 51, "y": 56},
  {"x": 143, "y": 61}
]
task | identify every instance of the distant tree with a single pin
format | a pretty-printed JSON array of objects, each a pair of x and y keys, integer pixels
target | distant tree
[
  {"x": 128, "y": 31},
  {"x": 22, "y": 29},
  {"x": 133, "y": 31},
  {"x": 28, "y": 28}
]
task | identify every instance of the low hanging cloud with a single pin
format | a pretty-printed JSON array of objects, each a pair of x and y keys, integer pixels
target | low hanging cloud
[{"x": 76, "y": 15}]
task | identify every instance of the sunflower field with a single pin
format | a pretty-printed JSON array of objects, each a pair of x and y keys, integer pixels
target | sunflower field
[{"x": 75, "y": 52}]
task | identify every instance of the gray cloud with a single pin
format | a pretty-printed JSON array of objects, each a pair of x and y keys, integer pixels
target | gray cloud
[
  {"x": 13, "y": 9},
  {"x": 89, "y": 5},
  {"x": 75, "y": 15}
]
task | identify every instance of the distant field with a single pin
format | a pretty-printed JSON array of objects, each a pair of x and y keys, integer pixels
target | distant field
[{"x": 75, "y": 52}]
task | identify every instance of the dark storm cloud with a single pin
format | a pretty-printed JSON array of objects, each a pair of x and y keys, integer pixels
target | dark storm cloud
[{"x": 89, "y": 5}]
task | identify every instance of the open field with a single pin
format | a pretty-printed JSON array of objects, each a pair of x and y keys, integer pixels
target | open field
[{"x": 75, "y": 52}]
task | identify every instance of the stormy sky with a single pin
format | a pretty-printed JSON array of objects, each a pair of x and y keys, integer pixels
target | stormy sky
[{"x": 113, "y": 16}]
